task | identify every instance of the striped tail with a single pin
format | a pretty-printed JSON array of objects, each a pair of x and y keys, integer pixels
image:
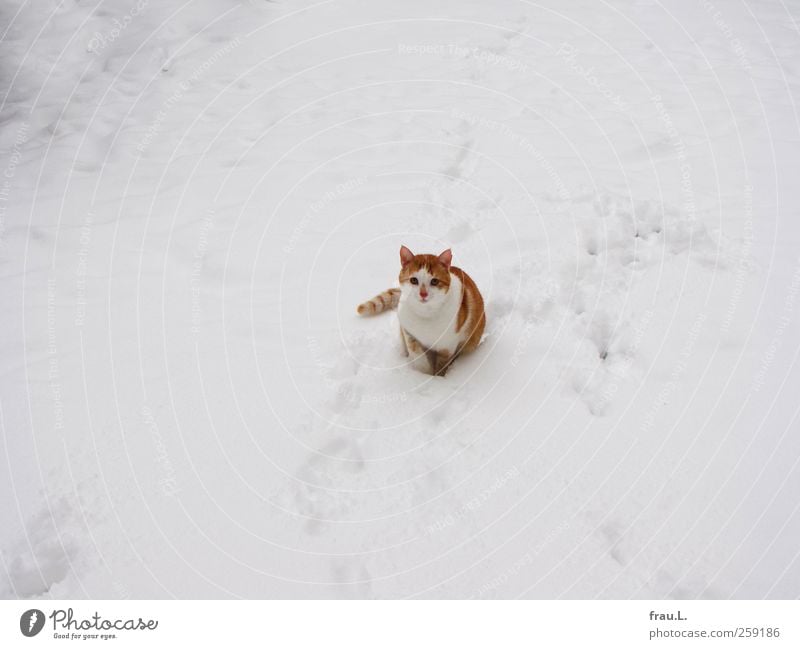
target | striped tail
[{"x": 383, "y": 302}]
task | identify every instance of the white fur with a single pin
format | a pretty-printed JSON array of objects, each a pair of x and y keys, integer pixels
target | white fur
[{"x": 432, "y": 323}]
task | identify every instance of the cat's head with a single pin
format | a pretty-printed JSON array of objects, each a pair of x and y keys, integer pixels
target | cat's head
[{"x": 425, "y": 279}]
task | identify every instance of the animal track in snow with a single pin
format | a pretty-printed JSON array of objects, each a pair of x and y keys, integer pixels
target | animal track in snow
[
  {"x": 321, "y": 477},
  {"x": 44, "y": 557},
  {"x": 621, "y": 238}
]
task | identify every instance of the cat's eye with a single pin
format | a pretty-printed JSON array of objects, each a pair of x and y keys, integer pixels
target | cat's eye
[
  {"x": 414, "y": 280},
  {"x": 434, "y": 282}
]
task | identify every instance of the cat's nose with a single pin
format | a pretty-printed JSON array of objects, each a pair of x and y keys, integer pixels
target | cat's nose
[{"x": 423, "y": 293}]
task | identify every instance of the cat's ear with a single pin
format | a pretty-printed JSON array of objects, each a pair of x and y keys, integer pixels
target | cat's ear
[
  {"x": 406, "y": 256},
  {"x": 446, "y": 258}
]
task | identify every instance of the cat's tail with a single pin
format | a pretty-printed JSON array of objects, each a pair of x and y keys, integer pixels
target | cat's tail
[{"x": 389, "y": 299}]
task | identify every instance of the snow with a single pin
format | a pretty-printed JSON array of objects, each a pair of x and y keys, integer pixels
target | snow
[{"x": 195, "y": 198}]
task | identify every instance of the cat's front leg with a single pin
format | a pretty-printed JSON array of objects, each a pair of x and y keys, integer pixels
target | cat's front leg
[
  {"x": 443, "y": 360},
  {"x": 416, "y": 352},
  {"x": 405, "y": 342},
  {"x": 439, "y": 360}
]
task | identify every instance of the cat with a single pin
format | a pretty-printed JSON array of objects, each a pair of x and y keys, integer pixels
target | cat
[{"x": 439, "y": 307}]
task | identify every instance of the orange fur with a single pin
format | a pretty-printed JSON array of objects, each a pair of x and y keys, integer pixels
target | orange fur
[
  {"x": 424, "y": 275},
  {"x": 471, "y": 312},
  {"x": 381, "y": 302}
]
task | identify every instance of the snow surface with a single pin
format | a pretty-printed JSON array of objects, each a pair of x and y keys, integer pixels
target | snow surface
[{"x": 196, "y": 195}]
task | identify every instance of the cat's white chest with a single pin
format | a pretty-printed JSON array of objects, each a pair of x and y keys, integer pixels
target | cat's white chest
[{"x": 438, "y": 330}]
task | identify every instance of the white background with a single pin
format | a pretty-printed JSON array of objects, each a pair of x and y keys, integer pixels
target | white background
[{"x": 417, "y": 624}]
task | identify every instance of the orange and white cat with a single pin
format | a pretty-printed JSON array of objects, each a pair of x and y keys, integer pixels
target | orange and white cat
[{"x": 439, "y": 307}]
